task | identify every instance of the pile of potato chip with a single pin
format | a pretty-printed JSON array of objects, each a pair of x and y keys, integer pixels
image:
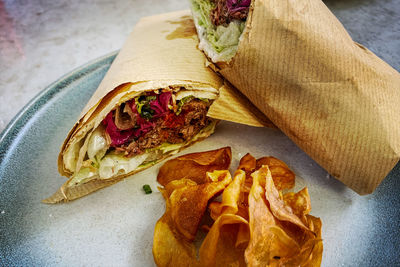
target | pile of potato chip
[{"x": 254, "y": 224}]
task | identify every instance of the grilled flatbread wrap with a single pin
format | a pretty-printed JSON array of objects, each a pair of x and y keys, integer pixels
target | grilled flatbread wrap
[{"x": 156, "y": 99}]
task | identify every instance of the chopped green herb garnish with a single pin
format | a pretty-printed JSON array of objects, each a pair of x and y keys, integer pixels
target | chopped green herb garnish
[
  {"x": 147, "y": 189},
  {"x": 143, "y": 106},
  {"x": 147, "y": 112}
]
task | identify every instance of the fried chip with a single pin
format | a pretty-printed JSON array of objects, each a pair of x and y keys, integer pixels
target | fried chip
[
  {"x": 255, "y": 224},
  {"x": 278, "y": 237},
  {"x": 247, "y": 163},
  {"x": 194, "y": 166},
  {"x": 243, "y": 236},
  {"x": 188, "y": 203},
  {"x": 299, "y": 202},
  {"x": 311, "y": 252},
  {"x": 268, "y": 243},
  {"x": 176, "y": 184},
  {"x": 169, "y": 249},
  {"x": 231, "y": 205},
  {"x": 219, "y": 248},
  {"x": 230, "y": 196},
  {"x": 283, "y": 177},
  {"x": 316, "y": 255},
  {"x": 281, "y": 211}
]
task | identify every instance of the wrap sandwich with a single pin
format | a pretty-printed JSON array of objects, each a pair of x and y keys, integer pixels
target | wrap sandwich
[
  {"x": 295, "y": 62},
  {"x": 156, "y": 99}
]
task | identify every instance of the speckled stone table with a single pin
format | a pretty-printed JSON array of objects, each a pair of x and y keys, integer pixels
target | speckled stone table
[{"x": 42, "y": 40}]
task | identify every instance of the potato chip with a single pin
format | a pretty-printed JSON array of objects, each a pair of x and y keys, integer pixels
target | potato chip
[
  {"x": 268, "y": 243},
  {"x": 243, "y": 235},
  {"x": 219, "y": 247},
  {"x": 311, "y": 251},
  {"x": 176, "y": 184},
  {"x": 230, "y": 205},
  {"x": 255, "y": 224},
  {"x": 299, "y": 202},
  {"x": 230, "y": 196},
  {"x": 283, "y": 177},
  {"x": 278, "y": 237},
  {"x": 170, "y": 250},
  {"x": 195, "y": 166},
  {"x": 215, "y": 208},
  {"x": 188, "y": 203},
  {"x": 281, "y": 211},
  {"x": 316, "y": 255},
  {"x": 247, "y": 163}
]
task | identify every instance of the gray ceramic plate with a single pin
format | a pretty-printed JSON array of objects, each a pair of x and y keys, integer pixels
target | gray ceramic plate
[{"x": 114, "y": 226}]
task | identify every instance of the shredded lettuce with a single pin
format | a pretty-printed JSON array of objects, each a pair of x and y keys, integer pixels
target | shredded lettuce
[
  {"x": 83, "y": 175},
  {"x": 97, "y": 146},
  {"x": 197, "y": 94},
  {"x": 221, "y": 39},
  {"x": 148, "y": 163},
  {"x": 167, "y": 147},
  {"x": 71, "y": 155},
  {"x": 112, "y": 165}
]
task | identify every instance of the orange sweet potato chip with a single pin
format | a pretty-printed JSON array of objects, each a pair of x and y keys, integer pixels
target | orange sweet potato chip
[{"x": 194, "y": 166}]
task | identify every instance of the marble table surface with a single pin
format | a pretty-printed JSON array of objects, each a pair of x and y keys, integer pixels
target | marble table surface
[{"x": 41, "y": 40}]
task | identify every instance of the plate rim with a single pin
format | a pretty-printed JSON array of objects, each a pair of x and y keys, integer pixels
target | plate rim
[{"x": 7, "y": 136}]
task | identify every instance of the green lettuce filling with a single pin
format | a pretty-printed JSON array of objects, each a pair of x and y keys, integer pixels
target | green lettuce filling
[{"x": 223, "y": 40}]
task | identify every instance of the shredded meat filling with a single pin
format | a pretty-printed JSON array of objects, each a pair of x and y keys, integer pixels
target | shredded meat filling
[
  {"x": 171, "y": 128},
  {"x": 221, "y": 15}
]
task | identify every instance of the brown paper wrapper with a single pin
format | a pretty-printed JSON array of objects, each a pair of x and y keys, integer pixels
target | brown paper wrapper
[
  {"x": 333, "y": 97},
  {"x": 160, "y": 52}
]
